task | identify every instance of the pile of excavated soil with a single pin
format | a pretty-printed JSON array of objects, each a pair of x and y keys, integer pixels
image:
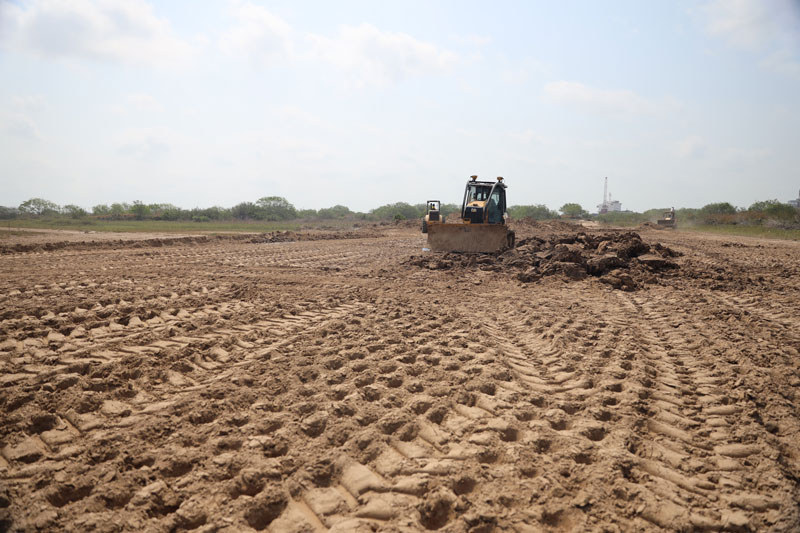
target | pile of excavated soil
[
  {"x": 292, "y": 236},
  {"x": 620, "y": 259},
  {"x": 275, "y": 236}
]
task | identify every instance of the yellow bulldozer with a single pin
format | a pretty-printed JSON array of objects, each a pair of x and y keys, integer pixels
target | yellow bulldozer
[
  {"x": 482, "y": 225},
  {"x": 667, "y": 220}
]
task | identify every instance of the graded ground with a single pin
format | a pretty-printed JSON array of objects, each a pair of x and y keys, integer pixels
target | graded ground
[{"x": 346, "y": 381}]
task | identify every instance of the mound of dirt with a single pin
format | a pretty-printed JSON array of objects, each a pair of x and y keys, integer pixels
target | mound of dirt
[
  {"x": 112, "y": 244},
  {"x": 622, "y": 259},
  {"x": 291, "y": 236},
  {"x": 275, "y": 236}
]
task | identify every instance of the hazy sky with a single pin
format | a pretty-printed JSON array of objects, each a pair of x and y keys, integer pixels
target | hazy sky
[{"x": 363, "y": 103}]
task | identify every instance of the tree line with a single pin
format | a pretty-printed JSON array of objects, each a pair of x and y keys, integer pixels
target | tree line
[
  {"x": 766, "y": 212},
  {"x": 269, "y": 208},
  {"x": 276, "y": 208}
]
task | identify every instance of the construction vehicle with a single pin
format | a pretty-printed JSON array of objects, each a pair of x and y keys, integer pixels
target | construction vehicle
[
  {"x": 668, "y": 220},
  {"x": 482, "y": 225},
  {"x": 433, "y": 214}
]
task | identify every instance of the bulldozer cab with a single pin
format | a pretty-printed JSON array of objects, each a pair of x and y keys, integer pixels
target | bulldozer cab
[{"x": 484, "y": 202}]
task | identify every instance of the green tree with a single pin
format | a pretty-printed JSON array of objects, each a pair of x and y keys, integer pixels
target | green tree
[
  {"x": 782, "y": 211},
  {"x": 573, "y": 210},
  {"x": 39, "y": 207},
  {"x": 74, "y": 211},
  {"x": 101, "y": 209},
  {"x": 450, "y": 209},
  {"x": 717, "y": 213},
  {"x": 620, "y": 218},
  {"x": 337, "y": 211},
  {"x": 306, "y": 214},
  {"x": 140, "y": 211},
  {"x": 536, "y": 212},
  {"x": 763, "y": 205},
  {"x": 8, "y": 212},
  {"x": 171, "y": 213},
  {"x": 404, "y": 210},
  {"x": 775, "y": 210},
  {"x": 245, "y": 211},
  {"x": 119, "y": 210},
  {"x": 720, "y": 208},
  {"x": 217, "y": 213},
  {"x": 275, "y": 208}
]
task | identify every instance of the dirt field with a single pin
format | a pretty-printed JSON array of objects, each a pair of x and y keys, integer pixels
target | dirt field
[{"x": 355, "y": 384}]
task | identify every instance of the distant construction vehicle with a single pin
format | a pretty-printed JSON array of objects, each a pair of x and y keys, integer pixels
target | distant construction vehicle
[
  {"x": 481, "y": 226},
  {"x": 433, "y": 214},
  {"x": 668, "y": 219}
]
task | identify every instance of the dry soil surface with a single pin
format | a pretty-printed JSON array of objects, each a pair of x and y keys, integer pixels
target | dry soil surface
[{"x": 357, "y": 384}]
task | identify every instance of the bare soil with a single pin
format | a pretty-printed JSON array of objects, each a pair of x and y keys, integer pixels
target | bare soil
[{"x": 345, "y": 381}]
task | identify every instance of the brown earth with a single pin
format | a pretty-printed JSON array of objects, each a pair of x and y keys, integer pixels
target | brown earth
[{"x": 356, "y": 384}]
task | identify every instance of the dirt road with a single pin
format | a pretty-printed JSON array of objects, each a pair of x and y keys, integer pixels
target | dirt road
[{"x": 355, "y": 385}]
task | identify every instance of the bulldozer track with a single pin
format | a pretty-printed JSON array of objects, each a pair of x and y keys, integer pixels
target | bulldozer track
[{"x": 697, "y": 433}]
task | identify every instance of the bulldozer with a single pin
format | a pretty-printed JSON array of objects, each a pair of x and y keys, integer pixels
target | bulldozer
[
  {"x": 482, "y": 225},
  {"x": 668, "y": 219},
  {"x": 432, "y": 214}
]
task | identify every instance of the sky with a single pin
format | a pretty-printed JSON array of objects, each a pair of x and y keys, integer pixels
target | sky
[{"x": 364, "y": 103}]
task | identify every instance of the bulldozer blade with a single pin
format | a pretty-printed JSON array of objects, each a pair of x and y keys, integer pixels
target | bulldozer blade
[{"x": 487, "y": 238}]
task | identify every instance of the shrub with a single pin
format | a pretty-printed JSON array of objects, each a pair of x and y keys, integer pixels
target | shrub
[
  {"x": 535, "y": 212},
  {"x": 573, "y": 210}
]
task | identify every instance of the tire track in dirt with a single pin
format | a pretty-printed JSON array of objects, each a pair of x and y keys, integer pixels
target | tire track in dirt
[
  {"x": 207, "y": 338},
  {"x": 571, "y": 368},
  {"x": 418, "y": 463},
  {"x": 706, "y": 464},
  {"x": 71, "y": 432}
]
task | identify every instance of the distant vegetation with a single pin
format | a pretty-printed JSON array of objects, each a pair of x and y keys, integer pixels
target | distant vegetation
[
  {"x": 768, "y": 214},
  {"x": 278, "y": 212},
  {"x": 269, "y": 209},
  {"x": 535, "y": 212}
]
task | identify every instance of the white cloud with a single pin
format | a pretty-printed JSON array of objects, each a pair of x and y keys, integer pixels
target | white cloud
[
  {"x": 771, "y": 29},
  {"x": 743, "y": 23},
  {"x": 746, "y": 156},
  {"x": 472, "y": 39},
  {"x": 143, "y": 102},
  {"x": 783, "y": 61},
  {"x": 365, "y": 54},
  {"x": 369, "y": 56},
  {"x": 527, "y": 137},
  {"x": 124, "y": 31},
  {"x": 290, "y": 113},
  {"x": 147, "y": 144},
  {"x": 18, "y": 122},
  {"x": 692, "y": 147},
  {"x": 30, "y": 103},
  {"x": 616, "y": 102},
  {"x": 20, "y": 125},
  {"x": 259, "y": 35}
]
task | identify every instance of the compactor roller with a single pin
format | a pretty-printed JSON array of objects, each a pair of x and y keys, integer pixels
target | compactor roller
[{"x": 482, "y": 226}]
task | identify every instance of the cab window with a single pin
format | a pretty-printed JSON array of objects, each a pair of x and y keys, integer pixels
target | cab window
[{"x": 479, "y": 194}]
